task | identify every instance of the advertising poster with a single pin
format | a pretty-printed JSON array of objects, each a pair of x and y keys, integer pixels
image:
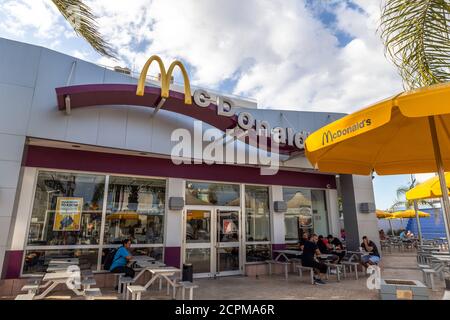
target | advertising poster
[
  {"x": 228, "y": 226},
  {"x": 68, "y": 214}
]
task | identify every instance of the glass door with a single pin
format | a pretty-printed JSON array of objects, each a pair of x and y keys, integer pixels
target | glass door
[
  {"x": 228, "y": 242},
  {"x": 198, "y": 241},
  {"x": 212, "y": 241}
]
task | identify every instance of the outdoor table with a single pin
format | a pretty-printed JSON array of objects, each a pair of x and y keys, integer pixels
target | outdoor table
[
  {"x": 141, "y": 258},
  {"x": 325, "y": 256},
  {"x": 57, "y": 268},
  {"x": 162, "y": 273},
  {"x": 284, "y": 253},
  {"x": 53, "y": 280},
  {"x": 149, "y": 264},
  {"x": 68, "y": 260}
]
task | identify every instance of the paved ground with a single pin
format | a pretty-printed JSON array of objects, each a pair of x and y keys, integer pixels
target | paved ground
[{"x": 394, "y": 266}]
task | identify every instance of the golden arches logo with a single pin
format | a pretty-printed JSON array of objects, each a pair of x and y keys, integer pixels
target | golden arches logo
[{"x": 165, "y": 78}]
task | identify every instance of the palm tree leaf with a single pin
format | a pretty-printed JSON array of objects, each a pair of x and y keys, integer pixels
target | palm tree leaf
[
  {"x": 82, "y": 20},
  {"x": 416, "y": 35}
]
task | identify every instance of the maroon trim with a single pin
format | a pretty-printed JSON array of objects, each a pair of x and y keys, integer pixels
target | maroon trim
[
  {"x": 172, "y": 256},
  {"x": 12, "y": 264},
  {"x": 280, "y": 246},
  {"x": 67, "y": 159},
  {"x": 125, "y": 94}
]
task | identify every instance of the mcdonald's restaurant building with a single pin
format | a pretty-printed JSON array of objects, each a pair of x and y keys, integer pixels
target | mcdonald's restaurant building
[{"x": 85, "y": 162}]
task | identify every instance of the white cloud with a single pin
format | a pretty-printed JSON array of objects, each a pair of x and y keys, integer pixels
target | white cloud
[{"x": 277, "y": 51}]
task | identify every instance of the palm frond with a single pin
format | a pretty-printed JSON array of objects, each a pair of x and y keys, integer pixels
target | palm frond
[
  {"x": 82, "y": 20},
  {"x": 416, "y": 34}
]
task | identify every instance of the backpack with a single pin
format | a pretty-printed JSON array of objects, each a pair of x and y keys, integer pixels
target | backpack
[{"x": 109, "y": 259}]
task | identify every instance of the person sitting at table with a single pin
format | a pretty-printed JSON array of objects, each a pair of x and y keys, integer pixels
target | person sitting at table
[
  {"x": 382, "y": 235},
  {"x": 325, "y": 248},
  {"x": 337, "y": 248},
  {"x": 305, "y": 237},
  {"x": 310, "y": 252},
  {"x": 121, "y": 260},
  {"x": 373, "y": 258}
]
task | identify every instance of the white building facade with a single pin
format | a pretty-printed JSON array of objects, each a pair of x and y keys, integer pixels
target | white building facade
[{"x": 82, "y": 168}]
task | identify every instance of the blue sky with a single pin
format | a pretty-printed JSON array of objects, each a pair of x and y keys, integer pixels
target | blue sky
[{"x": 287, "y": 54}]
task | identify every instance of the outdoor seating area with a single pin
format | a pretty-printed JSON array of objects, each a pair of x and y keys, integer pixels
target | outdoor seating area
[
  {"x": 290, "y": 262},
  {"x": 79, "y": 281}
]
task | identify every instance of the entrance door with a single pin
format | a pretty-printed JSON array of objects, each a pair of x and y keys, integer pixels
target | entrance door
[{"x": 212, "y": 241}]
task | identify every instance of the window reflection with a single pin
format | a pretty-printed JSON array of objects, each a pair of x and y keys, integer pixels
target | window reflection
[
  {"x": 258, "y": 252},
  {"x": 298, "y": 218},
  {"x": 37, "y": 261},
  {"x": 67, "y": 209},
  {"x": 205, "y": 193},
  {"x": 198, "y": 226},
  {"x": 135, "y": 210},
  {"x": 258, "y": 213}
]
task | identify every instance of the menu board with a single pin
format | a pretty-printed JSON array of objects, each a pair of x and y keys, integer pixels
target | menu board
[{"x": 68, "y": 214}]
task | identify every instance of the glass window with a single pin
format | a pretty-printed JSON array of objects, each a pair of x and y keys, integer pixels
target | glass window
[
  {"x": 156, "y": 253},
  {"x": 198, "y": 226},
  {"x": 320, "y": 212},
  {"x": 135, "y": 210},
  {"x": 37, "y": 261},
  {"x": 298, "y": 217},
  {"x": 205, "y": 193},
  {"x": 258, "y": 213},
  {"x": 67, "y": 209},
  {"x": 258, "y": 252}
]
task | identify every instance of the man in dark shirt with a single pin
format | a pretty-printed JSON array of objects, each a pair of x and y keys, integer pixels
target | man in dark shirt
[
  {"x": 310, "y": 251},
  {"x": 373, "y": 258},
  {"x": 337, "y": 247}
]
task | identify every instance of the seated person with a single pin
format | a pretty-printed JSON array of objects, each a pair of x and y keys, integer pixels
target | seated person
[
  {"x": 323, "y": 245},
  {"x": 121, "y": 260},
  {"x": 374, "y": 257},
  {"x": 310, "y": 251},
  {"x": 383, "y": 235},
  {"x": 337, "y": 248},
  {"x": 304, "y": 238},
  {"x": 325, "y": 248}
]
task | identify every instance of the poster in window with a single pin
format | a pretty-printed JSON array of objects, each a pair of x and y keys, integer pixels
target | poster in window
[
  {"x": 229, "y": 227},
  {"x": 68, "y": 214}
]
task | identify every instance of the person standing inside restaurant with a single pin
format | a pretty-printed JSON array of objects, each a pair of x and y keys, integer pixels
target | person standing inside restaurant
[
  {"x": 310, "y": 252},
  {"x": 121, "y": 260},
  {"x": 373, "y": 258}
]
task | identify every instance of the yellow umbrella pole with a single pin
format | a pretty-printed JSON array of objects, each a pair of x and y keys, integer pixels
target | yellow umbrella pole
[
  {"x": 441, "y": 173},
  {"x": 419, "y": 227}
]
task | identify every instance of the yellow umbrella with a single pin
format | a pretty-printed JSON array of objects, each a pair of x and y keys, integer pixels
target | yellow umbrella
[
  {"x": 383, "y": 214},
  {"x": 409, "y": 214},
  {"x": 408, "y": 133},
  {"x": 428, "y": 189},
  {"x": 124, "y": 215}
]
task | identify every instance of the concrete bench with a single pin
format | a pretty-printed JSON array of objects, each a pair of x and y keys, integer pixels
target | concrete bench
[
  {"x": 124, "y": 282},
  {"x": 187, "y": 285},
  {"x": 31, "y": 288},
  {"x": 135, "y": 291},
  {"x": 28, "y": 296},
  {"x": 282, "y": 263},
  {"x": 89, "y": 294},
  {"x": 306, "y": 269},
  {"x": 87, "y": 283},
  {"x": 339, "y": 270},
  {"x": 117, "y": 277},
  {"x": 351, "y": 265},
  {"x": 428, "y": 277}
]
